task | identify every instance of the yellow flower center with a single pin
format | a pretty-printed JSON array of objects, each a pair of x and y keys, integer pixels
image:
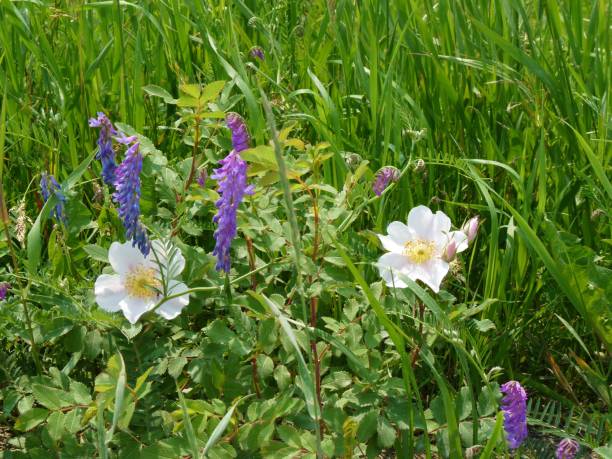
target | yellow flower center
[
  {"x": 141, "y": 282},
  {"x": 419, "y": 251}
]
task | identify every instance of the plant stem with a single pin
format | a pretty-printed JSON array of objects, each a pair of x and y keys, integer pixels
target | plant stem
[
  {"x": 24, "y": 298},
  {"x": 196, "y": 140},
  {"x": 255, "y": 378},
  {"x": 295, "y": 237},
  {"x": 251, "y": 252}
]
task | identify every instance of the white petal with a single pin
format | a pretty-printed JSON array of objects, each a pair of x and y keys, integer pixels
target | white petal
[
  {"x": 109, "y": 292},
  {"x": 399, "y": 233},
  {"x": 178, "y": 261},
  {"x": 390, "y": 265},
  {"x": 133, "y": 308},
  {"x": 172, "y": 308},
  {"x": 441, "y": 222},
  {"x": 460, "y": 238},
  {"x": 123, "y": 256},
  {"x": 420, "y": 222},
  {"x": 431, "y": 273},
  {"x": 389, "y": 244},
  {"x": 443, "y": 239}
]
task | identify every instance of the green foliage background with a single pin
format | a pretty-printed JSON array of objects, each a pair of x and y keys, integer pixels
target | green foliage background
[{"x": 506, "y": 102}]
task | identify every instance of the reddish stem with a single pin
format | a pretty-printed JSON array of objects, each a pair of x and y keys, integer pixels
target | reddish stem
[{"x": 255, "y": 378}]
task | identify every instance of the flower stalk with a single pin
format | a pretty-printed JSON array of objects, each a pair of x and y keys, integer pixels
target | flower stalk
[{"x": 295, "y": 238}]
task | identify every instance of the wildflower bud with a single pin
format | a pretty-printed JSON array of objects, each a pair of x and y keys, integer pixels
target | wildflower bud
[
  {"x": 257, "y": 52},
  {"x": 4, "y": 288},
  {"x": 202, "y": 177},
  {"x": 471, "y": 228},
  {"x": 105, "y": 154},
  {"x": 596, "y": 214},
  {"x": 98, "y": 192},
  {"x": 352, "y": 160},
  {"x": 419, "y": 166},
  {"x": 20, "y": 222},
  {"x": 383, "y": 178},
  {"x": 567, "y": 449},
  {"x": 48, "y": 187},
  {"x": 240, "y": 135},
  {"x": 451, "y": 251}
]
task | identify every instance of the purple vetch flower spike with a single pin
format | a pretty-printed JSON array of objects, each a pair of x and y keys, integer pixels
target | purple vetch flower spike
[
  {"x": 231, "y": 178},
  {"x": 384, "y": 176},
  {"x": 567, "y": 449},
  {"x": 232, "y": 186},
  {"x": 49, "y": 187},
  {"x": 106, "y": 154},
  {"x": 240, "y": 135},
  {"x": 127, "y": 194},
  {"x": 514, "y": 407},
  {"x": 4, "y": 288},
  {"x": 257, "y": 52}
]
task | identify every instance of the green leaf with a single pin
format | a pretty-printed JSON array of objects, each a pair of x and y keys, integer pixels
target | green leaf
[
  {"x": 367, "y": 425},
  {"x": 219, "y": 332},
  {"x": 119, "y": 397},
  {"x": 192, "y": 90},
  {"x": 154, "y": 90},
  {"x": 51, "y": 398},
  {"x": 463, "y": 403},
  {"x": 96, "y": 252},
  {"x": 191, "y": 102},
  {"x": 484, "y": 325},
  {"x": 307, "y": 381},
  {"x": 282, "y": 377},
  {"x": 261, "y": 154},
  {"x": 30, "y": 419},
  {"x": 487, "y": 400},
  {"x": 494, "y": 438},
  {"x": 55, "y": 424},
  {"x": 191, "y": 437},
  {"x": 386, "y": 433},
  {"x": 438, "y": 410},
  {"x": 212, "y": 90},
  {"x": 176, "y": 365},
  {"x": 220, "y": 428}
]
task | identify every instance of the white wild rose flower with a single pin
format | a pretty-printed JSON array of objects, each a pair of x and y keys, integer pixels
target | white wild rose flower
[
  {"x": 420, "y": 250},
  {"x": 138, "y": 285}
]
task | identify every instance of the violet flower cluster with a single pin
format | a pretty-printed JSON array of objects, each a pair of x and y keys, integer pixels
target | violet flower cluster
[
  {"x": 240, "y": 135},
  {"x": 49, "y": 187},
  {"x": 231, "y": 178},
  {"x": 106, "y": 154},
  {"x": 383, "y": 178},
  {"x": 127, "y": 194},
  {"x": 4, "y": 288},
  {"x": 567, "y": 449},
  {"x": 258, "y": 53},
  {"x": 514, "y": 407}
]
